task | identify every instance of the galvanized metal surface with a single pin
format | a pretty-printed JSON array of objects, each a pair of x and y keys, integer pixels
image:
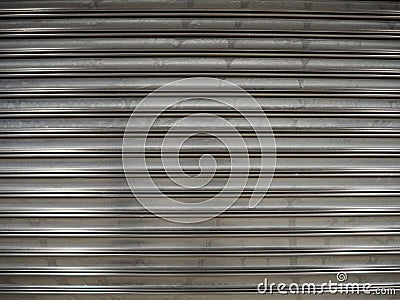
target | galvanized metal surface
[{"x": 325, "y": 72}]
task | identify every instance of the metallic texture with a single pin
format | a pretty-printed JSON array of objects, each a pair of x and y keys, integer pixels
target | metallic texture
[{"x": 325, "y": 72}]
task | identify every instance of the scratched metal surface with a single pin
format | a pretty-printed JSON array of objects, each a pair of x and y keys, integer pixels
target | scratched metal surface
[{"x": 325, "y": 72}]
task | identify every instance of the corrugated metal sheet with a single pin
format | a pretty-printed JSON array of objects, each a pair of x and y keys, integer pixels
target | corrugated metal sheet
[{"x": 325, "y": 72}]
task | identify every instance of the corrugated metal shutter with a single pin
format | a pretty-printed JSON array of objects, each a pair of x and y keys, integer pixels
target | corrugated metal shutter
[{"x": 326, "y": 73}]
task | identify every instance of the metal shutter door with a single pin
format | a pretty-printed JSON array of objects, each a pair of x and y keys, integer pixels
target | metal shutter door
[{"x": 325, "y": 72}]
